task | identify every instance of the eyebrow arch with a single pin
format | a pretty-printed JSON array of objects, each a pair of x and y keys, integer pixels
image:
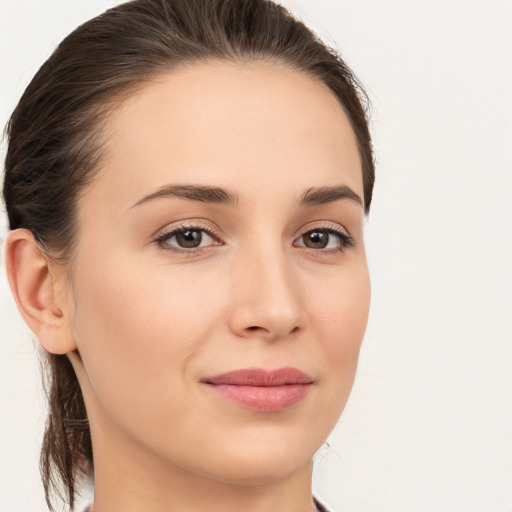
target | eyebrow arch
[
  {"x": 321, "y": 195},
  {"x": 202, "y": 193},
  {"x": 207, "y": 194}
]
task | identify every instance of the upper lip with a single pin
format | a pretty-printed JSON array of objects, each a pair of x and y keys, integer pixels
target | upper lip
[{"x": 261, "y": 377}]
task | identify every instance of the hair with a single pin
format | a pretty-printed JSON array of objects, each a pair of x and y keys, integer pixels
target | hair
[{"x": 54, "y": 147}]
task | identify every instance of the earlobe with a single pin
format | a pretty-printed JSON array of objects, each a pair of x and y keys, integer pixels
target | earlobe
[{"x": 36, "y": 293}]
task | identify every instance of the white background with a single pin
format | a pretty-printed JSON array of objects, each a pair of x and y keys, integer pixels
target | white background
[{"x": 428, "y": 427}]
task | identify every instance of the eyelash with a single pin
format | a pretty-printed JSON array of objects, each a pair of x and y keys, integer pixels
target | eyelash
[{"x": 345, "y": 240}]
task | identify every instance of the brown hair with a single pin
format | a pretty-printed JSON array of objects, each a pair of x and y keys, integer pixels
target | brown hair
[{"x": 54, "y": 149}]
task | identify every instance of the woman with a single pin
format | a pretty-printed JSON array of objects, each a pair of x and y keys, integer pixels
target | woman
[{"x": 186, "y": 184}]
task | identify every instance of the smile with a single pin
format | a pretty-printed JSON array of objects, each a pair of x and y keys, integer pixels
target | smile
[{"x": 262, "y": 390}]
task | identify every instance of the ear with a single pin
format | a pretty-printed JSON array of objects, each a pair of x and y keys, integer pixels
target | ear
[{"x": 40, "y": 292}]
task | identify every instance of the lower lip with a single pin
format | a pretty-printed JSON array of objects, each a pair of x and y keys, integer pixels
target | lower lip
[{"x": 263, "y": 398}]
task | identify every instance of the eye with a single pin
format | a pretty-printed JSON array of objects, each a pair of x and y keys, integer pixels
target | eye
[
  {"x": 186, "y": 239},
  {"x": 326, "y": 239}
]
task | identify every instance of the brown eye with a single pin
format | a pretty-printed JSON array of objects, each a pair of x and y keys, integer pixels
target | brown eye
[
  {"x": 325, "y": 239},
  {"x": 316, "y": 239},
  {"x": 186, "y": 238},
  {"x": 189, "y": 239}
]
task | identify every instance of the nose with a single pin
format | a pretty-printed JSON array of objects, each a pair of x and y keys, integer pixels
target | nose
[{"x": 268, "y": 298}]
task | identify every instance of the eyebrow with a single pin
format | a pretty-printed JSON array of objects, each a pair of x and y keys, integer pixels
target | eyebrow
[
  {"x": 202, "y": 193},
  {"x": 314, "y": 196},
  {"x": 322, "y": 195}
]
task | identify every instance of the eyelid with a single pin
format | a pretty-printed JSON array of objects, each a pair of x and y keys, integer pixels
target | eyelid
[
  {"x": 197, "y": 223},
  {"x": 327, "y": 225}
]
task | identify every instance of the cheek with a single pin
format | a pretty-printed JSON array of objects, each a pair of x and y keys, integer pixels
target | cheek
[
  {"x": 138, "y": 306},
  {"x": 340, "y": 319},
  {"x": 341, "y": 310},
  {"x": 137, "y": 332}
]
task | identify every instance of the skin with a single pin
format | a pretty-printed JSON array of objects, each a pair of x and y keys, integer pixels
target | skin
[{"x": 143, "y": 323}]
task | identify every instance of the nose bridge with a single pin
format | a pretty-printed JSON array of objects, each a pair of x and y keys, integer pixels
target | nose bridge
[{"x": 268, "y": 294}]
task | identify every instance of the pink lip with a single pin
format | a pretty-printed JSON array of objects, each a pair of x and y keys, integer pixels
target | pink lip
[{"x": 262, "y": 390}]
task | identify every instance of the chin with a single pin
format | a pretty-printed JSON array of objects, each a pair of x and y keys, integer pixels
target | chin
[
  {"x": 265, "y": 462},
  {"x": 260, "y": 472}
]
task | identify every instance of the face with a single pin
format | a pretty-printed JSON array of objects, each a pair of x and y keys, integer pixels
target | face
[{"x": 220, "y": 289}]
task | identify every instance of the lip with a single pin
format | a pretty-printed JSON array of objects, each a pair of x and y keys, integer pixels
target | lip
[{"x": 260, "y": 389}]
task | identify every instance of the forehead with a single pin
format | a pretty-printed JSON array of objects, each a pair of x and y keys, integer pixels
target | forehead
[{"x": 231, "y": 125}]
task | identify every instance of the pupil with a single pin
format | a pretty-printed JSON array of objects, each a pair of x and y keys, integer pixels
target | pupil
[
  {"x": 318, "y": 239},
  {"x": 189, "y": 238}
]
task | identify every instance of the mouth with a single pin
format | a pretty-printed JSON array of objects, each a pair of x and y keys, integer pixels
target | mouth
[{"x": 262, "y": 390}]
